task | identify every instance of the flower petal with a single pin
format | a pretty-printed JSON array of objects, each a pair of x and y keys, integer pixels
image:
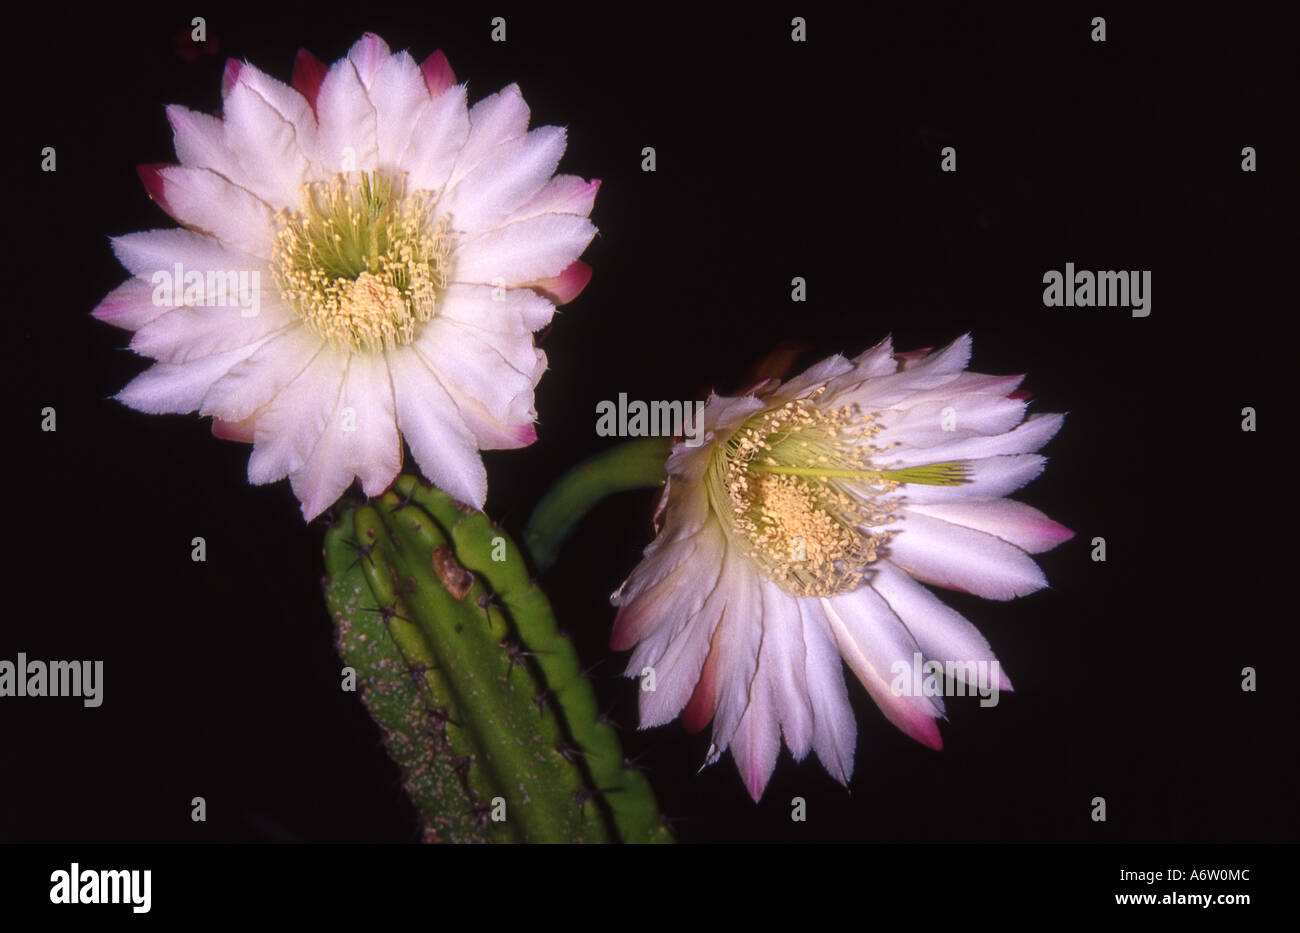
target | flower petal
[
  {"x": 522, "y": 252},
  {"x": 348, "y": 137},
  {"x": 941, "y": 632},
  {"x": 205, "y": 201},
  {"x": 257, "y": 380},
  {"x": 131, "y": 305},
  {"x": 437, "y": 73},
  {"x": 960, "y": 558},
  {"x": 287, "y": 432},
  {"x": 442, "y": 445},
  {"x": 835, "y": 731},
  {"x": 497, "y": 370},
  {"x": 151, "y": 252},
  {"x": 503, "y": 181},
  {"x": 873, "y": 640},
  {"x": 399, "y": 96},
  {"x": 500, "y": 311},
  {"x": 496, "y": 119},
  {"x": 308, "y": 75},
  {"x": 360, "y": 440},
  {"x": 437, "y": 136},
  {"x": 178, "y": 388},
  {"x": 782, "y": 667},
  {"x": 568, "y": 285},
  {"x": 563, "y": 194},
  {"x": 1019, "y": 524},
  {"x": 272, "y": 151},
  {"x": 1036, "y": 431}
]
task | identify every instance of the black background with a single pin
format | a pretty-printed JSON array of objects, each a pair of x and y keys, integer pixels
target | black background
[{"x": 775, "y": 159}]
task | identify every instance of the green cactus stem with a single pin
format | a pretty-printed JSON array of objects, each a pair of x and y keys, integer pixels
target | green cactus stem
[{"x": 479, "y": 695}]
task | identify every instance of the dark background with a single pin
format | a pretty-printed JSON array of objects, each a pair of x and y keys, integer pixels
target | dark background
[{"x": 775, "y": 159}]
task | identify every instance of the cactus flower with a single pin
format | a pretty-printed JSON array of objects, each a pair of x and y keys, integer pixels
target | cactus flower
[
  {"x": 362, "y": 257},
  {"x": 806, "y": 529}
]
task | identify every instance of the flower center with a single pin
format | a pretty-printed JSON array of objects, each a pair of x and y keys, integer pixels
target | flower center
[
  {"x": 362, "y": 263},
  {"x": 783, "y": 491},
  {"x": 797, "y": 486}
]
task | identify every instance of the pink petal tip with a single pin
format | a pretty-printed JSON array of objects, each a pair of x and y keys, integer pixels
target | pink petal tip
[
  {"x": 437, "y": 72},
  {"x": 151, "y": 176},
  {"x": 566, "y": 286},
  {"x": 699, "y": 710},
  {"x": 241, "y": 431},
  {"x": 308, "y": 75},
  {"x": 231, "y": 75}
]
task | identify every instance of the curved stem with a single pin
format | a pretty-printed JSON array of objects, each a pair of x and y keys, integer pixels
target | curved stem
[{"x": 637, "y": 464}]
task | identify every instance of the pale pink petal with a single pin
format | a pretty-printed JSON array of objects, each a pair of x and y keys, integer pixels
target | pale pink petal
[
  {"x": 504, "y": 180},
  {"x": 368, "y": 55},
  {"x": 942, "y": 633},
  {"x": 984, "y": 479},
  {"x": 522, "y": 252},
  {"x": 348, "y": 140},
  {"x": 959, "y": 558},
  {"x": 159, "y": 251},
  {"x": 256, "y": 381},
  {"x": 498, "y": 370},
  {"x": 937, "y": 369},
  {"x": 931, "y": 425},
  {"x": 399, "y": 96},
  {"x": 131, "y": 305},
  {"x": 676, "y": 653},
  {"x": 187, "y": 334},
  {"x": 873, "y": 641},
  {"x": 783, "y": 671},
  {"x": 208, "y": 203},
  {"x": 1022, "y": 525},
  {"x": 442, "y": 445},
  {"x": 295, "y": 419},
  {"x": 736, "y": 642},
  {"x": 360, "y": 440},
  {"x": 757, "y": 741},
  {"x": 816, "y": 375},
  {"x": 835, "y": 730},
  {"x": 496, "y": 119},
  {"x": 437, "y": 137},
  {"x": 563, "y": 194},
  {"x": 1036, "y": 431},
  {"x": 671, "y": 590},
  {"x": 503, "y": 311},
  {"x": 178, "y": 388},
  {"x": 241, "y": 431},
  {"x": 272, "y": 153},
  {"x": 200, "y": 141}
]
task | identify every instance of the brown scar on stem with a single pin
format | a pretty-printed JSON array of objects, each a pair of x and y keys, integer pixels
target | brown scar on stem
[{"x": 453, "y": 576}]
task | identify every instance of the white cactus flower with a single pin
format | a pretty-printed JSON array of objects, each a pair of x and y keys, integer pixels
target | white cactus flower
[
  {"x": 363, "y": 257},
  {"x": 803, "y": 531}
]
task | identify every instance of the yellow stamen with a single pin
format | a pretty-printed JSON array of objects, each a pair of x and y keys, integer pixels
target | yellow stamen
[
  {"x": 781, "y": 483},
  {"x": 361, "y": 263}
]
